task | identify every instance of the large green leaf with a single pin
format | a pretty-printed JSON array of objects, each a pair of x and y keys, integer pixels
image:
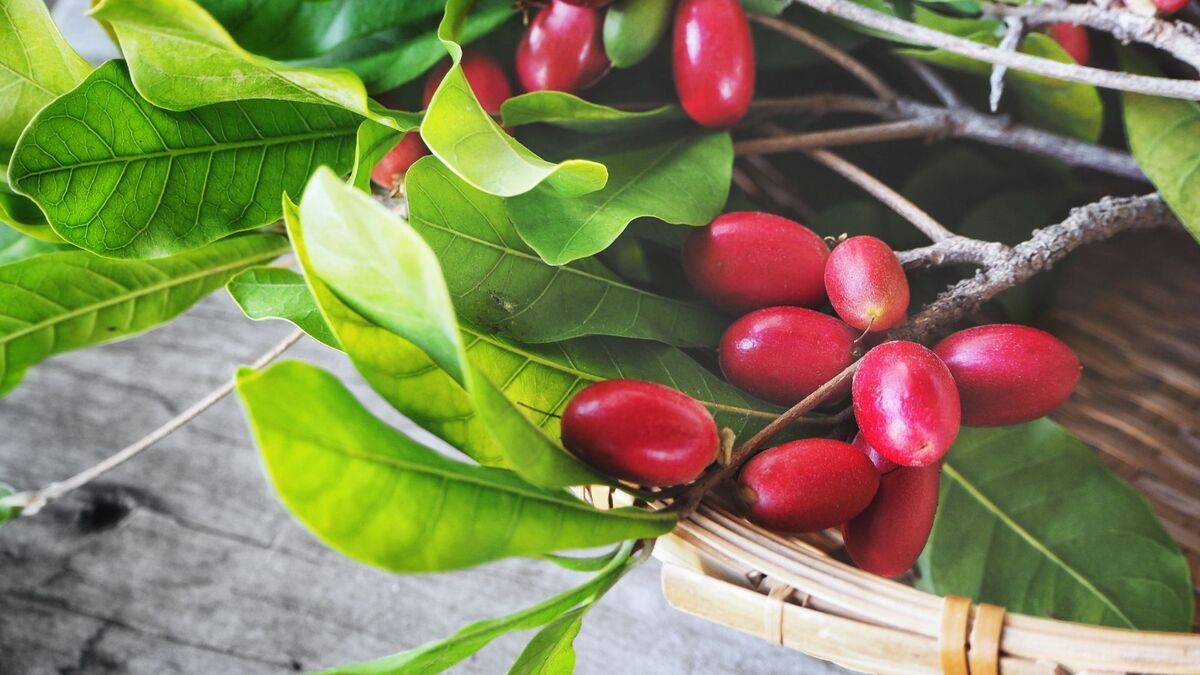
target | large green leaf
[
  {"x": 280, "y": 293},
  {"x": 181, "y": 58},
  {"x": 498, "y": 283},
  {"x": 1164, "y": 136},
  {"x": 401, "y": 291},
  {"x": 15, "y": 246},
  {"x": 464, "y": 136},
  {"x": 380, "y": 497},
  {"x": 1068, "y": 108},
  {"x": 120, "y": 177},
  {"x": 552, "y": 650},
  {"x": 20, "y": 213},
  {"x": 571, "y": 112},
  {"x": 682, "y": 180},
  {"x": 57, "y": 302},
  {"x": 436, "y": 657},
  {"x": 36, "y": 65},
  {"x": 1031, "y": 520}
]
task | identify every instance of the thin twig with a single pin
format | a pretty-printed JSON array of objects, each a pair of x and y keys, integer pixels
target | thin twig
[
  {"x": 955, "y": 250},
  {"x": 936, "y": 84},
  {"x": 1015, "y": 29},
  {"x": 913, "y": 33},
  {"x": 924, "y": 222},
  {"x": 1178, "y": 38},
  {"x": 32, "y": 502},
  {"x": 830, "y": 138},
  {"x": 825, "y": 48}
]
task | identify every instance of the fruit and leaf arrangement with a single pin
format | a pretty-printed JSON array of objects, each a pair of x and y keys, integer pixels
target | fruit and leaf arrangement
[{"x": 778, "y": 256}]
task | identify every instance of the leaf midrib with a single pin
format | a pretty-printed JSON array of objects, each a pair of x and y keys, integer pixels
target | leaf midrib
[
  {"x": 1033, "y": 541},
  {"x": 174, "y": 281}
]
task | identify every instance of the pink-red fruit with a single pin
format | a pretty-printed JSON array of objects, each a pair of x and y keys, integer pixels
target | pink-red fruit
[
  {"x": 388, "y": 171},
  {"x": 748, "y": 260},
  {"x": 807, "y": 485},
  {"x": 640, "y": 432},
  {"x": 906, "y": 403},
  {"x": 1074, "y": 40},
  {"x": 713, "y": 60},
  {"x": 485, "y": 77},
  {"x": 782, "y": 354},
  {"x": 882, "y": 464},
  {"x": 562, "y": 49},
  {"x": 1008, "y": 373},
  {"x": 1170, "y": 6},
  {"x": 866, "y": 284},
  {"x": 887, "y": 538}
]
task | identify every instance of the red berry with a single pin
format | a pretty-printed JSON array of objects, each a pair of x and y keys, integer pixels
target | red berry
[
  {"x": 1007, "y": 373},
  {"x": 748, "y": 260},
  {"x": 883, "y": 464},
  {"x": 906, "y": 403},
  {"x": 562, "y": 49},
  {"x": 1074, "y": 40},
  {"x": 807, "y": 485},
  {"x": 1170, "y": 6},
  {"x": 394, "y": 164},
  {"x": 866, "y": 284},
  {"x": 887, "y": 538},
  {"x": 782, "y": 354},
  {"x": 485, "y": 77},
  {"x": 714, "y": 61},
  {"x": 641, "y": 432}
]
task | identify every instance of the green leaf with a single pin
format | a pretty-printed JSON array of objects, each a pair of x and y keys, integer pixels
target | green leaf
[
  {"x": 36, "y": 65},
  {"x": 279, "y": 293},
  {"x": 571, "y": 112},
  {"x": 633, "y": 28},
  {"x": 160, "y": 182},
  {"x": 438, "y": 656},
  {"x": 373, "y": 142},
  {"x": 376, "y": 495},
  {"x": 682, "y": 180},
  {"x": 15, "y": 246},
  {"x": 1164, "y": 137},
  {"x": 552, "y": 650},
  {"x": 58, "y": 302},
  {"x": 7, "y": 513},
  {"x": 1031, "y": 520},
  {"x": 181, "y": 58},
  {"x": 1069, "y": 108},
  {"x": 21, "y": 214},
  {"x": 460, "y": 133},
  {"x": 382, "y": 270},
  {"x": 499, "y": 284}
]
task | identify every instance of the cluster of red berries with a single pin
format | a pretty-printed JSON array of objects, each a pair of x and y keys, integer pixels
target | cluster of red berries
[
  {"x": 909, "y": 401},
  {"x": 563, "y": 50}
]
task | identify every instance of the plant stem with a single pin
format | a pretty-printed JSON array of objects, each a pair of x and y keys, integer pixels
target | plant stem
[
  {"x": 868, "y": 133},
  {"x": 30, "y": 503}
]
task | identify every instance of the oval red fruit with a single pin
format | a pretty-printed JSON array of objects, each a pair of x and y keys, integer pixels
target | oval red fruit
[
  {"x": 782, "y": 354},
  {"x": 1008, "y": 373},
  {"x": 1074, "y": 40},
  {"x": 562, "y": 49},
  {"x": 713, "y": 57},
  {"x": 807, "y": 485},
  {"x": 1170, "y": 6},
  {"x": 641, "y": 432},
  {"x": 866, "y": 284},
  {"x": 387, "y": 172},
  {"x": 883, "y": 464},
  {"x": 748, "y": 260},
  {"x": 485, "y": 77},
  {"x": 887, "y": 538},
  {"x": 906, "y": 403}
]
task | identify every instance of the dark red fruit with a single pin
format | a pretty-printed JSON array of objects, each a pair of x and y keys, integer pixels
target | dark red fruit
[
  {"x": 641, "y": 432},
  {"x": 713, "y": 60},
  {"x": 887, "y": 538},
  {"x": 883, "y": 464},
  {"x": 906, "y": 403},
  {"x": 1008, "y": 373},
  {"x": 485, "y": 77},
  {"x": 866, "y": 284},
  {"x": 394, "y": 165},
  {"x": 782, "y": 354},
  {"x": 1170, "y": 6},
  {"x": 562, "y": 49},
  {"x": 807, "y": 485},
  {"x": 749, "y": 260},
  {"x": 1074, "y": 40}
]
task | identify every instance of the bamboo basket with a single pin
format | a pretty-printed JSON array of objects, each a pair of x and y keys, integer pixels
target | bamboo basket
[{"x": 1129, "y": 308}]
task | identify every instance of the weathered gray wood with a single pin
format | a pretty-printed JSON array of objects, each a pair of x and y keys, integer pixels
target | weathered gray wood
[{"x": 183, "y": 562}]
